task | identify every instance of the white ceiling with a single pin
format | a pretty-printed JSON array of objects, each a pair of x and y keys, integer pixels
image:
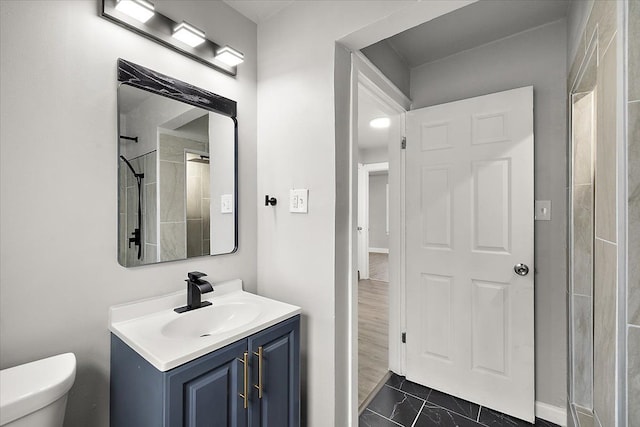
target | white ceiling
[
  {"x": 258, "y": 10},
  {"x": 474, "y": 25}
]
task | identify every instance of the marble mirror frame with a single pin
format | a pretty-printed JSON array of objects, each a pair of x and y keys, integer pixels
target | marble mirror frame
[{"x": 139, "y": 77}]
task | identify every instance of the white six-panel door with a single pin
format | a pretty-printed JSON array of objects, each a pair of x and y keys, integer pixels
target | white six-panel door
[{"x": 469, "y": 218}]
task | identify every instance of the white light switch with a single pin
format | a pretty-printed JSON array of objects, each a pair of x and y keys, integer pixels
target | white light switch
[
  {"x": 226, "y": 203},
  {"x": 543, "y": 210},
  {"x": 298, "y": 201}
]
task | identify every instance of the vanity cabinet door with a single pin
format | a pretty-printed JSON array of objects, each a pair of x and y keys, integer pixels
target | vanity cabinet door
[
  {"x": 206, "y": 392},
  {"x": 279, "y": 378}
]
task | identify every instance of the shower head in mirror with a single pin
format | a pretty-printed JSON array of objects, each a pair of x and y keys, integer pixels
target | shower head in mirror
[{"x": 201, "y": 159}]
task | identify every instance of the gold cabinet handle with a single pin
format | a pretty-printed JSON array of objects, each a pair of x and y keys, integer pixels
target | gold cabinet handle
[
  {"x": 245, "y": 396},
  {"x": 259, "y": 385}
]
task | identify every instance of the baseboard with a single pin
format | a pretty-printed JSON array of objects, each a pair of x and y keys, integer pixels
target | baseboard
[
  {"x": 554, "y": 414},
  {"x": 379, "y": 250}
]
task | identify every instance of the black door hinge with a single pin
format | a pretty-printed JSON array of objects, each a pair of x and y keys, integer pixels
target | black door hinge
[
  {"x": 404, "y": 337},
  {"x": 403, "y": 143}
]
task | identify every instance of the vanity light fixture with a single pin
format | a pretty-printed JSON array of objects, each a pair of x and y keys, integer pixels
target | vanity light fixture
[
  {"x": 189, "y": 34},
  {"x": 229, "y": 56},
  {"x": 380, "y": 123},
  {"x": 139, "y": 10},
  {"x": 142, "y": 18}
]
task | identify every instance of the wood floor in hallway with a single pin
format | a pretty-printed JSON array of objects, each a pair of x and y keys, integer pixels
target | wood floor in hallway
[{"x": 373, "y": 326}]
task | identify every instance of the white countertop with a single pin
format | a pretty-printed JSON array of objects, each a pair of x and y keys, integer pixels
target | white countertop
[{"x": 154, "y": 330}]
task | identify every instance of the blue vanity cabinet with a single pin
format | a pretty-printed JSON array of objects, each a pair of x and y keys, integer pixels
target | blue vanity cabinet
[
  {"x": 278, "y": 377},
  {"x": 208, "y": 391}
]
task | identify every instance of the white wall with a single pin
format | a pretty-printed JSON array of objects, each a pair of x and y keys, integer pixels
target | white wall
[
  {"x": 299, "y": 116},
  {"x": 373, "y": 155},
  {"x": 59, "y": 271},
  {"x": 536, "y": 57},
  {"x": 378, "y": 236}
]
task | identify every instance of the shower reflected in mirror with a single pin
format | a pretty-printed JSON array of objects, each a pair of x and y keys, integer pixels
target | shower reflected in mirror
[{"x": 177, "y": 169}]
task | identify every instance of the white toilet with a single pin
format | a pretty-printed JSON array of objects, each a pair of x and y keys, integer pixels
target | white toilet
[{"x": 35, "y": 394}]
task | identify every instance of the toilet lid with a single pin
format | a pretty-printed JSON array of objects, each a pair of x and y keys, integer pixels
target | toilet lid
[{"x": 32, "y": 386}]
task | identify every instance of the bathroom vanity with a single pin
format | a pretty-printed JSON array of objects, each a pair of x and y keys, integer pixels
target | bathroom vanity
[{"x": 234, "y": 366}]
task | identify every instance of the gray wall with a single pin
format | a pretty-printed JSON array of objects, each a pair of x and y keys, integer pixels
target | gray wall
[
  {"x": 536, "y": 57},
  {"x": 302, "y": 145},
  {"x": 378, "y": 237},
  {"x": 390, "y": 63},
  {"x": 59, "y": 271}
]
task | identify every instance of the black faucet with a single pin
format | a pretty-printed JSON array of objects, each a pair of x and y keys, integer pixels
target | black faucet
[{"x": 195, "y": 288}]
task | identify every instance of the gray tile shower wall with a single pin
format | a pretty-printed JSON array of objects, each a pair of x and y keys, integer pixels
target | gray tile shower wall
[
  {"x": 128, "y": 193},
  {"x": 172, "y": 176},
  {"x": 595, "y": 223},
  {"x": 633, "y": 215}
]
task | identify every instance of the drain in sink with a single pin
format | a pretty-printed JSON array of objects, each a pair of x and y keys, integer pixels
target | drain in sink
[{"x": 205, "y": 335}]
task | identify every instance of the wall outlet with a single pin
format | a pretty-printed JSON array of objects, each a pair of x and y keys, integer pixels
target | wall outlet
[
  {"x": 226, "y": 203},
  {"x": 298, "y": 201},
  {"x": 543, "y": 210}
]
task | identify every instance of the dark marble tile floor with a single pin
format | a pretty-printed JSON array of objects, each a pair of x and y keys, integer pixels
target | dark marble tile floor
[{"x": 403, "y": 403}]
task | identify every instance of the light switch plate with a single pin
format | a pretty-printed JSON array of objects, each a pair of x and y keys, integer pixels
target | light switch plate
[
  {"x": 543, "y": 210},
  {"x": 226, "y": 203},
  {"x": 298, "y": 201}
]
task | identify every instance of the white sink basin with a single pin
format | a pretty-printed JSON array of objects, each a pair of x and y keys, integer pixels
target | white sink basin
[
  {"x": 212, "y": 320},
  {"x": 167, "y": 339}
]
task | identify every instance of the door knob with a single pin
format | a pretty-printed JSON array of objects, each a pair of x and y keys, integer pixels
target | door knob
[
  {"x": 521, "y": 269},
  {"x": 359, "y": 228}
]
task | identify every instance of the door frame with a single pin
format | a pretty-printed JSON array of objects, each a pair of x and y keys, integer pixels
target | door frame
[
  {"x": 366, "y": 76},
  {"x": 364, "y": 173}
]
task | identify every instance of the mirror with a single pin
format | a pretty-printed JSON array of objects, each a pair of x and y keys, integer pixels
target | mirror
[{"x": 177, "y": 169}]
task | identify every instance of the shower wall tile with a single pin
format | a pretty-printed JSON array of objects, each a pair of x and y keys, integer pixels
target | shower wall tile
[
  {"x": 582, "y": 351},
  {"x": 606, "y": 148},
  {"x": 583, "y": 239},
  {"x": 138, "y": 166},
  {"x": 171, "y": 148},
  {"x": 172, "y": 182},
  {"x": 173, "y": 242},
  {"x": 150, "y": 167},
  {"x": 122, "y": 238},
  {"x": 604, "y": 331},
  {"x": 577, "y": 62},
  {"x": 603, "y": 16},
  {"x": 122, "y": 185},
  {"x": 151, "y": 214},
  {"x": 589, "y": 77},
  {"x": 634, "y": 212},
  {"x": 132, "y": 209},
  {"x": 150, "y": 253},
  {"x": 585, "y": 420},
  {"x": 194, "y": 197},
  {"x": 194, "y": 237},
  {"x": 583, "y": 139},
  {"x": 206, "y": 177},
  {"x": 206, "y": 218},
  {"x": 633, "y": 379},
  {"x": 634, "y": 50}
]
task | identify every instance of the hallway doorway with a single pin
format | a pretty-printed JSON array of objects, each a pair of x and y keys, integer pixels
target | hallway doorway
[{"x": 373, "y": 283}]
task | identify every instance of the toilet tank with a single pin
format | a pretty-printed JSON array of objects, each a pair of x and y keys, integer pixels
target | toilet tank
[{"x": 32, "y": 387}]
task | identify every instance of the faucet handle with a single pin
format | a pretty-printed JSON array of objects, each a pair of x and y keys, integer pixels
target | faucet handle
[{"x": 195, "y": 276}]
